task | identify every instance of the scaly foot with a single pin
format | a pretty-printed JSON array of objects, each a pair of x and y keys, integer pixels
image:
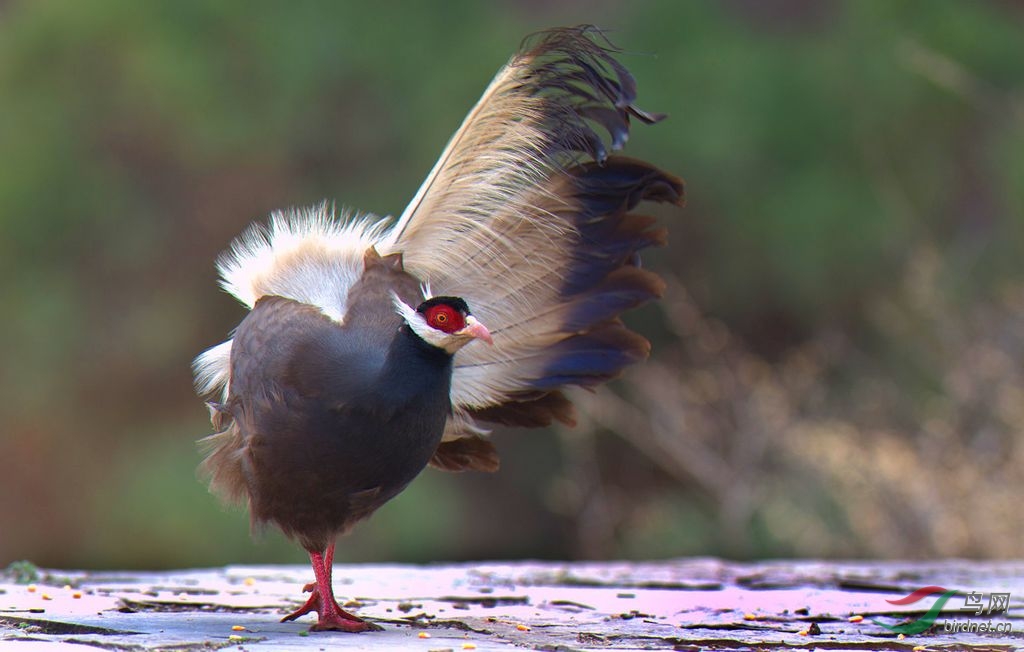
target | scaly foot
[{"x": 336, "y": 619}]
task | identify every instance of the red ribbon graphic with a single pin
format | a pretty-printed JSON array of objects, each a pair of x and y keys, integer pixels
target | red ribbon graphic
[{"x": 922, "y": 592}]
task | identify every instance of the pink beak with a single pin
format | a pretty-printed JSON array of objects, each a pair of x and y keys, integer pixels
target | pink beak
[{"x": 475, "y": 329}]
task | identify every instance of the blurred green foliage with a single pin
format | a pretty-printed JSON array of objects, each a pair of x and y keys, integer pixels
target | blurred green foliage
[{"x": 833, "y": 150}]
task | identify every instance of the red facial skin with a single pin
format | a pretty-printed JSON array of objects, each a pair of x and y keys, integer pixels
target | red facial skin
[{"x": 445, "y": 318}]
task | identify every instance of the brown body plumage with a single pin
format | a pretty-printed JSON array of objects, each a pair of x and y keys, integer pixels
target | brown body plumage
[{"x": 336, "y": 391}]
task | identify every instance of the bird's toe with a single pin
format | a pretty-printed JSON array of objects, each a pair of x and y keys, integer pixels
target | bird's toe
[{"x": 341, "y": 624}]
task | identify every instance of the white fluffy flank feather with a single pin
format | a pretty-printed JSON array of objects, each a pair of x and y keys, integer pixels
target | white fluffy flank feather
[
  {"x": 212, "y": 369},
  {"x": 304, "y": 254}
]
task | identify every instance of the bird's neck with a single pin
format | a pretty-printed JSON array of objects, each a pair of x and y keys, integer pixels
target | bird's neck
[
  {"x": 412, "y": 364},
  {"x": 408, "y": 342}
]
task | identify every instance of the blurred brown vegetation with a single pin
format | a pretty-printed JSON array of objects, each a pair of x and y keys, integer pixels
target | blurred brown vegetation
[{"x": 837, "y": 367}]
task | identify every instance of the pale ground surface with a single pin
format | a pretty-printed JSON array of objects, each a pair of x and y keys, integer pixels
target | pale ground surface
[{"x": 687, "y": 604}]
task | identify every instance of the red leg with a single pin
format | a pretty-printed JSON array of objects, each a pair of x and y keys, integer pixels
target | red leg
[
  {"x": 329, "y": 557},
  {"x": 328, "y": 562},
  {"x": 331, "y": 615}
]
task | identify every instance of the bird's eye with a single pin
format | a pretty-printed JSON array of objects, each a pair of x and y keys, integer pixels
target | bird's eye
[{"x": 445, "y": 318}]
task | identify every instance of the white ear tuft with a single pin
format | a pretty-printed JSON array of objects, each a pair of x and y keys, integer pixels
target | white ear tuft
[{"x": 407, "y": 312}]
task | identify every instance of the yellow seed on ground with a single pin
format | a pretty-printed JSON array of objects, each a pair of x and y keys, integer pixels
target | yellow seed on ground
[
  {"x": 77, "y": 595},
  {"x": 522, "y": 628},
  {"x": 236, "y": 637},
  {"x": 238, "y": 628},
  {"x": 856, "y": 619},
  {"x": 31, "y": 588},
  {"x": 67, "y": 587},
  {"x": 469, "y": 646},
  {"x": 804, "y": 632},
  {"x": 424, "y": 635},
  {"x": 901, "y": 637},
  {"x": 248, "y": 581},
  {"x": 749, "y": 616},
  {"x": 46, "y": 596},
  {"x": 920, "y": 648}
]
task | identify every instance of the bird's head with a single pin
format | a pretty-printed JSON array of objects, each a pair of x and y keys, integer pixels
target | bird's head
[{"x": 444, "y": 322}]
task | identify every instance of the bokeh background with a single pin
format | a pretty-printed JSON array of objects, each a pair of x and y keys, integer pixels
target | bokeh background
[{"x": 839, "y": 361}]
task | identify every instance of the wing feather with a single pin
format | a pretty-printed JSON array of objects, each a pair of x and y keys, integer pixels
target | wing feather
[
  {"x": 537, "y": 115},
  {"x": 527, "y": 217}
]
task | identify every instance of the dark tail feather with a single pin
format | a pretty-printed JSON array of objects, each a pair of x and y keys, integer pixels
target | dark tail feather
[
  {"x": 603, "y": 282},
  {"x": 533, "y": 410}
]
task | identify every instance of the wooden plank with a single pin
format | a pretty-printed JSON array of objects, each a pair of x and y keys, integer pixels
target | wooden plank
[{"x": 686, "y": 604}]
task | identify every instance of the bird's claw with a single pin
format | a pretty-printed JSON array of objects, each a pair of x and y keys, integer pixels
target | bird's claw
[
  {"x": 340, "y": 624},
  {"x": 336, "y": 619}
]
